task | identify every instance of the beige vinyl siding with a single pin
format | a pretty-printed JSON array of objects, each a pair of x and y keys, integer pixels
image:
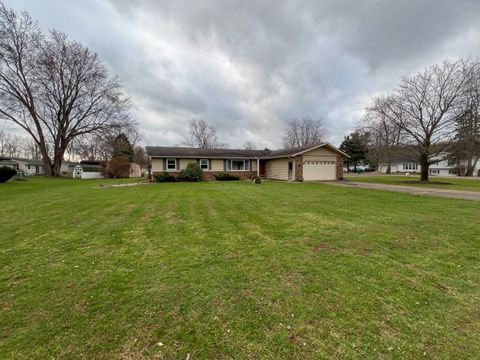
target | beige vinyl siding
[
  {"x": 253, "y": 165},
  {"x": 185, "y": 162},
  {"x": 216, "y": 165},
  {"x": 321, "y": 152},
  {"x": 277, "y": 169},
  {"x": 157, "y": 164}
]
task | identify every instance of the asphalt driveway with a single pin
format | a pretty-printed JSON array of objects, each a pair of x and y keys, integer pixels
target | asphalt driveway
[{"x": 451, "y": 194}]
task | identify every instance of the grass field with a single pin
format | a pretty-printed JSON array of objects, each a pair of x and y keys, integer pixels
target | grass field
[
  {"x": 235, "y": 270},
  {"x": 450, "y": 183}
]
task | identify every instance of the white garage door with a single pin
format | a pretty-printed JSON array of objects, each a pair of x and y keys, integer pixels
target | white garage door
[{"x": 315, "y": 169}]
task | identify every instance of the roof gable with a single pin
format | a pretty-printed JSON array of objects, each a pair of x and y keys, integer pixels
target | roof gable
[{"x": 292, "y": 152}]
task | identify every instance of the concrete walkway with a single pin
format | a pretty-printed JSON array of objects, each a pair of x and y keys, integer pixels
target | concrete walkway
[{"x": 416, "y": 190}]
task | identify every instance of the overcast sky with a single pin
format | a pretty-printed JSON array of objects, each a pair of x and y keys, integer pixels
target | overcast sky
[{"x": 247, "y": 67}]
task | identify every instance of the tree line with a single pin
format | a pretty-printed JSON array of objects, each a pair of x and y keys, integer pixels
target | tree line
[
  {"x": 430, "y": 116},
  {"x": 298, "y": 133}
]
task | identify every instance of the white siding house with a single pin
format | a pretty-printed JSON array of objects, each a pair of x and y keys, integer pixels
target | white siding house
[{"x": 439, "y": 168}]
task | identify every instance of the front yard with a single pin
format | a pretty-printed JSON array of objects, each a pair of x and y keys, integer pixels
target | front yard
[{"x": 235, "y": 270}]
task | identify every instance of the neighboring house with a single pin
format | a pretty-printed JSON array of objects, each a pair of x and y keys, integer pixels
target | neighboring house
[
  {"x": 440, "y": 168},
  {"x": 25, "y": 166},
  {"x": 309, "y": 163},
  {"x": 31, "y": 167}
]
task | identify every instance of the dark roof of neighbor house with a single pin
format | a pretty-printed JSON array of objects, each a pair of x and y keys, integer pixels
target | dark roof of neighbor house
[
  {"x": 23, "y": 160},
  {"x": 177, "y": 151},
  {"x": 32, "y": 161}
]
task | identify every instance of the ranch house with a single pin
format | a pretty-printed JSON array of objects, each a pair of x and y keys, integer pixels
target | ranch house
[{"x": 310, "y": 163}]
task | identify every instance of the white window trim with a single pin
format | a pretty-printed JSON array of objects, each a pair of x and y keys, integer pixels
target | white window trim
[
  {"x": 167, "y": 166},
  {"x": 246, "y": 164},
  {"x": 410, "y": 166},
  {"x": 208, "y": 164}
]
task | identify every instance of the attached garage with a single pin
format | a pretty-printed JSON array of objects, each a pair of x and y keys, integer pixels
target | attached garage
[
  {"x": 320, "y": 169},
  {"x": 322, "y": 162}
]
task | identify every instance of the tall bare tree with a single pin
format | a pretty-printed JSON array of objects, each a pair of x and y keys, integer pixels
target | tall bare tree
[
  {"x": 54, "y": 89},
  {"x": 425, "y": 107},
  {"x": 201, "y": 135},
  {"x": 32, "y": 150},
  {"x": 304, "y": 132},
  {"x": 466, "y": 149},
  {"x": 100, "y": 145},
  {"x": 384, "y": 136},
  {"x": 12, "y": 145}
]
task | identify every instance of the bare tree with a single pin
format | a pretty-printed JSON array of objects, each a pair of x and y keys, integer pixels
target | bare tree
[
  {"x": 249, "y": 145},
  {"x": 54, "y": 89},
  {"x": 304, "y": 132},
  {"x": 384, "y": 136},
  {"x": 467, "y": 140},
  {"x": 12, "y": 145},
  {"x": 32, "y": 150},
  {"x": 425, "y": 107},
  {"x": 201, "y": 135},
  {"x": 100, "y": 145},
  {"x": 3, "y": 142}
]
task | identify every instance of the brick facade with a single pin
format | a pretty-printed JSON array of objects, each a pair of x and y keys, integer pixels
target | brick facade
[
  {"x": 339, "y": 167},
  {"x": 298, "y": 168}
]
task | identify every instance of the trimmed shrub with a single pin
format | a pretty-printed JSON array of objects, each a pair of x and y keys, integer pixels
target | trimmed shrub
[
  {"x": 256, "y": 179},
  {"x": 6, "y": 173},
  {"x": 192, "y": 172},
  {"x": 164, "y": 177},
  {"x": 226, "y": 177}
]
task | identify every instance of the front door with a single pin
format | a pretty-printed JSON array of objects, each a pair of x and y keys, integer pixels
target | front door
[
  {"x": 290, "y": 170},
  {"x": 262, "y": 168}
]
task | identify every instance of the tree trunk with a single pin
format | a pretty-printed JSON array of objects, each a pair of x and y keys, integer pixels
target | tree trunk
[
  {"x": 424, "y": 167},
  {"x": 57, "y": 161},
  {"x": 355, "y": 167},
  {"x": 469, "y": 168},
  {"x": 47, "y": 165},
  {"x": 389, "y": 169}
]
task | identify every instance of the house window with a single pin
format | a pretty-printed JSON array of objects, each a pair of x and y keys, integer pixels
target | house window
[
  {"x": 410, "y": 166},
  {"x": 204, "y": 164},
  {"x": 238, "y": 165},
  {"x": 434, "y": 171},
  {"x": 171, "y": 164}
]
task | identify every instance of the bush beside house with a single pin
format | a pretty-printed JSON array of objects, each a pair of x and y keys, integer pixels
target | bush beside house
[
  {"x": 6, "y": 173},
  {"x": 226, "y": 177},
  {"x": 191, "y": 173},
  {"x": 164, "y": 177}
]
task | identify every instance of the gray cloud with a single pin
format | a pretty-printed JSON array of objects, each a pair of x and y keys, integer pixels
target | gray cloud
[{"x": 249, "y": 66}]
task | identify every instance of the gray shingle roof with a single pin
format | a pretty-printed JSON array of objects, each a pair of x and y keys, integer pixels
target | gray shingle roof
[
  {"x": 177, "y": 151},
  {"x": 289, "y": 152},
  {"x": 27, "y": 161}
]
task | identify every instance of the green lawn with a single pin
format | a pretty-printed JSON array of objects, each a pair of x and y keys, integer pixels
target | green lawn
[
  {"x": 235, "y": 270},
  {"x": 452, "y": 183}
]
